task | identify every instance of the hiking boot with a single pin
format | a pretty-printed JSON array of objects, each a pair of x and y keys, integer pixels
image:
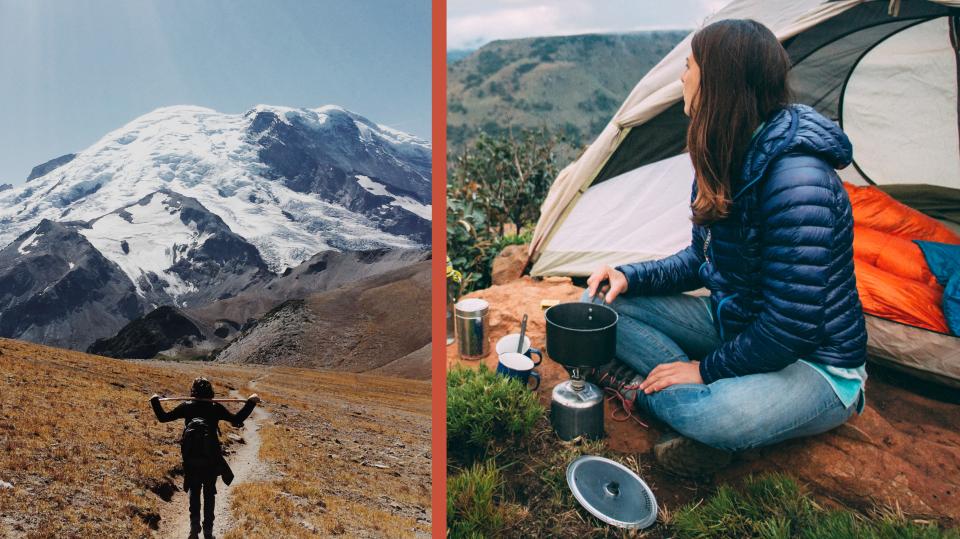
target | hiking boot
[
  {"x": 194, "y": 532},
  {"x": 686, "y": 457},
  {"x": 620, "y": 380}
]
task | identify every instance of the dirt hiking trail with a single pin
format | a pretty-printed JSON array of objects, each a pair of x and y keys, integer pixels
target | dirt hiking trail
[{"x": 244, "y": 458}]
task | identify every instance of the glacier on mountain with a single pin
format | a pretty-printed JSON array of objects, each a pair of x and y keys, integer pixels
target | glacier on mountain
[{"x": 274, "y": 175}]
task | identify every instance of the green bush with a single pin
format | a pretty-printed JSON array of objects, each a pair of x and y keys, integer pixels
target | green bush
[
  {"x": 486, "y": 411},
  {"x": 473, "y": 508},
  {"x": 496, "y": 181},
  {"x": 774, "y": 506},
  {"x": 489, "y": 62}
]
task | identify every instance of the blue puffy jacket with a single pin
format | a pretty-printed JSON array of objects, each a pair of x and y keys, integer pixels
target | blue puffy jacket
[{"x": 779, "y": 267}]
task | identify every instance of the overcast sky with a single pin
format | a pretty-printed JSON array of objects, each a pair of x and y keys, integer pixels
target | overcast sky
[
  {"x": 74, "y": 70},
  {"x": 470, "y": 24}
]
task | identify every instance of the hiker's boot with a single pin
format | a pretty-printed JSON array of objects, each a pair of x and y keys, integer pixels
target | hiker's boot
[
  {"x": 619, "y": 380},
  {"x": 194, "y": 533},
  {"x": 689, "y": 458}
]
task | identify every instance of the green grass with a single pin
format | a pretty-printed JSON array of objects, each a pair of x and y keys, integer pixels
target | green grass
[
  {"x": 774, "y": 506},
  {"x": 473, "y": 508},
  {"x": 486, "y": 411}
]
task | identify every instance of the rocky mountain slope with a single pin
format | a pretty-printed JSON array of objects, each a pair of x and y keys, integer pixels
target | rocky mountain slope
[
  {"x": 57, "y": 288},
  {"x": 185, "y": 206},
  {"x": 568, "y": 84},
  {"x": 199, "y": 332},
  {"x": 358, "y": 327},
  {"x": 323, "y": 271},
  {"x": 161, "y": 329}
]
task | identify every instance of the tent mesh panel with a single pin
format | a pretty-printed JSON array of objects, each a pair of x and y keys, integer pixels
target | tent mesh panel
[{"x": 823, "y": 56}]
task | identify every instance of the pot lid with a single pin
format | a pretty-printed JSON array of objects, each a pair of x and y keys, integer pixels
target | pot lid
[
  {"x": 471, "y": 307},
  {"x": 612, "y": 492}
]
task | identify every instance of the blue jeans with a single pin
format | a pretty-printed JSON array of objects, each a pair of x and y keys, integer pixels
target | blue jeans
[{"x": 731, "y": 413}]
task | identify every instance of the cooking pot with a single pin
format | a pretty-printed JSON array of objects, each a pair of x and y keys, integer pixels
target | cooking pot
[{"x": 581, "y": 334}]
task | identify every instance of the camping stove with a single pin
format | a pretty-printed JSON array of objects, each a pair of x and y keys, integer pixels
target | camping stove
[
  {"x": 576, "y": 408},
  {"x": 579, "y": 336}
]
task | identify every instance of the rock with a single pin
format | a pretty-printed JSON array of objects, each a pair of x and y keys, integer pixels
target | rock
[
  {"x": 51, "y": 165},
  {"x": 903, "y": 451},
  {"x": 509, "y": 264},
  {"x": 5, "y": 485}
]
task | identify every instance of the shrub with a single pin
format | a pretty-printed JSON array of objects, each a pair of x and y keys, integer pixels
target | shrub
[
  {"x": 489, "y": 62},
  {"x": 497, "y": 181},
  {"x": 473, "y": 502},
  {"x": 486, "y": 411},
  {"x": 525, "y": 67}
]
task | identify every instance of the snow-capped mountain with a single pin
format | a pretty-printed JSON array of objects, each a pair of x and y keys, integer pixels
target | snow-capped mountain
[
  {"x": 195, "y": 257},
  {"x": 292, "y": 182},
  {"x": 184, "y": 206}
]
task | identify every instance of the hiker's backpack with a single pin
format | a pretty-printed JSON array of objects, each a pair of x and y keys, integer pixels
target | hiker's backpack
[{"x": 199, "y": 446}]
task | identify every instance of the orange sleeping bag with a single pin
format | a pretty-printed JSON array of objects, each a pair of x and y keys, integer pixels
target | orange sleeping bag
[{"x": 893, "y": 279}]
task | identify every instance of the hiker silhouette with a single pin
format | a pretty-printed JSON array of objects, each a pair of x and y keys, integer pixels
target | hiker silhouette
[{"x": 203, "y": 460}]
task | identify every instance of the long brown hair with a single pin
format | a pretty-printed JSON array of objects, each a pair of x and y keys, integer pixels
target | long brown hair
[{"x": 743, "y": 79}]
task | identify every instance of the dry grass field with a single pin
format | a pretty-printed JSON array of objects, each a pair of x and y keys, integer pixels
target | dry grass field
[
  {"x": 81, "y": 454},
  {"x": 357, "y": 466}
]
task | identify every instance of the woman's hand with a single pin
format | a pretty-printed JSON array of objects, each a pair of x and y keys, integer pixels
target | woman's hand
[
  {"x": 616, "y": 283},
  {"x": 667, "y": 374},
  {"x": 255, "y": 398},
  {"x": 155, "y": 397}
]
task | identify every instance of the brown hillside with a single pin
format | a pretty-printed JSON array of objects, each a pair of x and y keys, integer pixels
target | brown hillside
[
  {"x": 81, "y": 454},
  {"x": 358, "y": 327}
]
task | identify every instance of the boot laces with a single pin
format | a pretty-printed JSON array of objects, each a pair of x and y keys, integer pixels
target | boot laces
[{"x": 614, "y": 384}]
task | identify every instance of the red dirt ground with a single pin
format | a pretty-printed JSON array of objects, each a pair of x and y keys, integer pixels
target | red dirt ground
[{"x": 904, "y": 451}]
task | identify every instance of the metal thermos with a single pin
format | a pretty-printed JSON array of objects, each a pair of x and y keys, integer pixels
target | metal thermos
[
  {"x": 472, "y": 328},
  {"x": 577, "y": 410}
]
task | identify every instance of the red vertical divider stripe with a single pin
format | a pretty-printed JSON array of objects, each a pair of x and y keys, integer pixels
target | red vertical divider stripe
[{"x": 439, "y": 384}]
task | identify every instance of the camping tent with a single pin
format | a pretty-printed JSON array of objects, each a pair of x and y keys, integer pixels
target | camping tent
[{"x": 887, "y": 72}]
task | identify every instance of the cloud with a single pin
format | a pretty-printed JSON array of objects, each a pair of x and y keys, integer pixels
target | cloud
[
  {"x": 471, "y": 24},
  {"x": 511, "y": 22}
]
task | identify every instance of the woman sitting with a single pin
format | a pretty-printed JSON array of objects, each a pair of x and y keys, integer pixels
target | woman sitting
[{"x": 777, "y": 349}]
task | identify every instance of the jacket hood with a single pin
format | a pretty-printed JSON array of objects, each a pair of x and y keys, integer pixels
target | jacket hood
[{"x": 796, "y": 129}]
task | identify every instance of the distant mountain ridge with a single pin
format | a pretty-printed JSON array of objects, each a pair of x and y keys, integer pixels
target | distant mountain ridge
[
  {"x": 567, "y": 84},
  {"x": 201, "y": 331}
]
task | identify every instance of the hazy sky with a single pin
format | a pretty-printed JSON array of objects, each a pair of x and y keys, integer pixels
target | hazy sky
[
  {"x": 74, "y": 70},
  {"x": 471, "y": 23}
]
